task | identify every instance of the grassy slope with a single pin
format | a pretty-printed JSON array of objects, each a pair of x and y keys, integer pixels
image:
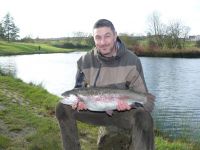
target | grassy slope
[
  {"x": 15, "y": 48},
  {"x": 27, "y": 121},
  {"x": 27, "y": 118}
]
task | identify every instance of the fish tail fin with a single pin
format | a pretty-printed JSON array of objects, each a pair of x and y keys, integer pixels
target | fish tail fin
[{"x": 149, "y": 105}]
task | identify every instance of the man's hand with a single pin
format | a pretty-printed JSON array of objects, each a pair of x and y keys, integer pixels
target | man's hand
[
  {"x": 79, "y": 106},
  {"x": 122, "y": 105}
]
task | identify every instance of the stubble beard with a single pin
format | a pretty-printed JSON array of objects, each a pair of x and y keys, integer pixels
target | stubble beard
[{"x": 111, "y": 52}]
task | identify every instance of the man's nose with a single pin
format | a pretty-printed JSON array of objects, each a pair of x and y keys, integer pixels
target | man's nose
[{"x": 102, "y": 41}]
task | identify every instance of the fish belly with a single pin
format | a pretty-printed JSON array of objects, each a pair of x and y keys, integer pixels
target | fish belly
[{"x": 101, "y": 106}]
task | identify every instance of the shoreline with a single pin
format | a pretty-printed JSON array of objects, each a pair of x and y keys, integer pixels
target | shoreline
[
  {"x": 19, "y": 48},
  {"x": 179, "y": 54},
  {"x": 47, "y": 47},
  {"x": 166, "y": 54}
]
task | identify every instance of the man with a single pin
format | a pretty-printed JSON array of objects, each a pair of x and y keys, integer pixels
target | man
[{"x": 108, "y": 64}]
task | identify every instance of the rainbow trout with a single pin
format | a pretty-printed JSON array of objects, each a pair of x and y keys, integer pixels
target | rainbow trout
[{"x": 106, "y": 99}]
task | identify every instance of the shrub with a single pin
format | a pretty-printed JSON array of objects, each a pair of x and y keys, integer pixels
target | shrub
[
  {"x": 198, "y": 43},
  {"x": 152, "y": 45}
]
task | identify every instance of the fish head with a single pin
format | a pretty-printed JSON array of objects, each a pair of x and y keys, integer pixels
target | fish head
[
  {"x": 70, "y": 92},
  {"x": 70, "y": 99}
]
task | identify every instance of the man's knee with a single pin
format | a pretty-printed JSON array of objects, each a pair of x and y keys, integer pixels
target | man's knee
[
  {"x": 61, "y": 111},
  {"x": 143, "y": 119}
]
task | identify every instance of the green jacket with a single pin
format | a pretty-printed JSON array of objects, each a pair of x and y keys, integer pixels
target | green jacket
[{"x": 122, "y": 71}]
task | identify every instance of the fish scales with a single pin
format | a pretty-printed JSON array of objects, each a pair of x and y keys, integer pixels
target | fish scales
[{"x": 104, "y": 99}]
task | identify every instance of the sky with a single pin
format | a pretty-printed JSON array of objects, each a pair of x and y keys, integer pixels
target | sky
[{"x": 61, "y": 18}]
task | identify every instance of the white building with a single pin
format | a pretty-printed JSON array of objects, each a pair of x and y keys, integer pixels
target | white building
[{"x": 194, "y": 38}]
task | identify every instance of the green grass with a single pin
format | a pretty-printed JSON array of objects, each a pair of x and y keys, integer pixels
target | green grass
[
  {"x": 163, "y": 144},
  {"x": 27, "y": 121},
  {"x": 16, "y": 48},
  {"x": 4, "y": 141}
]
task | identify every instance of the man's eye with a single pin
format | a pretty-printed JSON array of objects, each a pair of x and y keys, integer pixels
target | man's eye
[{"x": 97, "y": 38}]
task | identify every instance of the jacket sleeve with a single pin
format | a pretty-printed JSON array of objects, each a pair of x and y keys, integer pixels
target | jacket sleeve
[
  {"x": 137, "y": 81},
  {"x": 79, "y": 80},
  {"x": 80, "y": 77}
]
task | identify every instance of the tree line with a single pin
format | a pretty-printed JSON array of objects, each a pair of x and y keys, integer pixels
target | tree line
[
  {"x": 160, "y": 36},
  {"x": 171, "y": 35},
  {"x": 8, "y": 30}
]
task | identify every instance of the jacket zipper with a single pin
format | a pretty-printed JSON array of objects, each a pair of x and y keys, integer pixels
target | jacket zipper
[{"x": 95, "y": 81}]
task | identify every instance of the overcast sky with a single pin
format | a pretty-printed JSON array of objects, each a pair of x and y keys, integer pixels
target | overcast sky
[{"x": 59, "y": 18}]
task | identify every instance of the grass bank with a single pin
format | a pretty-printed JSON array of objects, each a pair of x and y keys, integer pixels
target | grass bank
[
  {"x": 27, "y": 121},
  {"x": 173, "y": 53},
  {"x": 18, "y": 48},
  {"x": 27, "y": 118}
]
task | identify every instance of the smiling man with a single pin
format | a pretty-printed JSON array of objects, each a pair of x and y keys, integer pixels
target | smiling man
[
  {"x": 105, "y": 41},
  {"x": 109, "y": 64}
]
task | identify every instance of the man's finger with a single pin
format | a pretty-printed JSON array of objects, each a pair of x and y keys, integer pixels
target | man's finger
[{"x": 74, "y": 106}]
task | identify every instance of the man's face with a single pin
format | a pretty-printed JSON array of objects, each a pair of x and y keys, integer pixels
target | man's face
[{"x": 105, "y": 39}]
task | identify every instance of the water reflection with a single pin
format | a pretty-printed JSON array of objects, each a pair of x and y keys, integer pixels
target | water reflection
[
  {"x": 176, "y": 85},
  {"x": 174, "y": 82},
  {"x": 56, "y": 72},
  {"x": 8, "y": 66}
]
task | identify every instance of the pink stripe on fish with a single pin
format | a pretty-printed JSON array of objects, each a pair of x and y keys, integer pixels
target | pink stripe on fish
[{"x": 108, "y": 98}]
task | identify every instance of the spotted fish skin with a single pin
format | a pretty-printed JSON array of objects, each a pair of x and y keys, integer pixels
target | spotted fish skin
[{"x": 106, "y": 99}]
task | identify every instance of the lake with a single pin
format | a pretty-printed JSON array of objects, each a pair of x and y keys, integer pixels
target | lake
[{"x": 174, "y": 81}]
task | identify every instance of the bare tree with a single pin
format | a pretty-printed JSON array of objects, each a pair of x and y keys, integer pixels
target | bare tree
[
  {"x": 176, "y": 34},
  {"x": 156, "y": 28},
  {"x": 154, "y": 23},
  {"x": 172, "y": 35}
]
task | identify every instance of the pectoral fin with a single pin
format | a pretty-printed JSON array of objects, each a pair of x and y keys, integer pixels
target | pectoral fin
[
  {"x": 109, "y": 112},
  {"x": 136, "y": 105}
]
